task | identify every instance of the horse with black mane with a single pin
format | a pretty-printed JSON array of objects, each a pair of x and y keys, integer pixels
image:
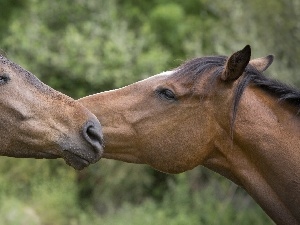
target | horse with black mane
[{"x": 219, "y": 112}]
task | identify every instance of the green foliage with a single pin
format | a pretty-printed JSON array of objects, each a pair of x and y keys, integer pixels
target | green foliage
[
  {"x": 108, "y": 184},
  {"x": 9, "y": 8},
  {"x": 162, "y": 22},
  {"x": 15, "y": 212},
  {"x": 52, "y": 199},
  {"x": 96, "y": 54},
  {"x": 30, "y": 188},
  {"x": 84, "y": 47}
]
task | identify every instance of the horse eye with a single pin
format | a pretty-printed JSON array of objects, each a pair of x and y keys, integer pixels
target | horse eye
[
  {"x": 166, "y": 94},
  {"x": 4, "y": 78}
]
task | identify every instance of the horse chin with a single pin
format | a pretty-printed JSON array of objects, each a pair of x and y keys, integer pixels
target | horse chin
[
  {"x": 75, "y": 161},
  {"x": 169, "y": 168},
  {"x": 46, "y": 155},
  {"x": 122, "y": 157},
  {"x": 80, "y": 156}
]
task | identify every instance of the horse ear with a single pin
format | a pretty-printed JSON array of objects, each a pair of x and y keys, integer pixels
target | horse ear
[
  {"x": 236, "y": 64},
  {"x": 261, "y": 64}
]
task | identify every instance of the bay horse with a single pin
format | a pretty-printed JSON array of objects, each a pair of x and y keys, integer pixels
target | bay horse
[
  {"x": 38, "y": 122},
  {"x": 219, "y": 112}
]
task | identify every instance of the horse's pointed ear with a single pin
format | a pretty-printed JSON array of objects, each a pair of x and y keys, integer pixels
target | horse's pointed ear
[
  {"x": 236, "y": 64},
  {"x": 261, "y": 64}
]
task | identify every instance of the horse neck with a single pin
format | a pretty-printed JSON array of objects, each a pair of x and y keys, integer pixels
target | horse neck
[{"x": 263, "y": 156}]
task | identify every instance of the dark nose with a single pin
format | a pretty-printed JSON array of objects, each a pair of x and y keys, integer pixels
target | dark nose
[{"x": 92, "y": 133}]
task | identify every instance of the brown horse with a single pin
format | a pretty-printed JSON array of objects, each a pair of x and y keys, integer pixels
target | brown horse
[
  {"x": 39, "y": 122},
  {"x": 219, "y": 112}
]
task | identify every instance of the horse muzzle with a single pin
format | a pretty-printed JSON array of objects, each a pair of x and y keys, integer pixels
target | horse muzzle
[{"x": 89, "y": 150}]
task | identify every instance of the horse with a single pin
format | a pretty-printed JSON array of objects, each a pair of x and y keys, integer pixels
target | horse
[
  {"x": 219, "y": 112},
  {"x": 38, "y": 122}
]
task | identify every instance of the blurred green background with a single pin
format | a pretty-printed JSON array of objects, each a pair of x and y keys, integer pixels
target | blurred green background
[{"x": 82, "y": 47}]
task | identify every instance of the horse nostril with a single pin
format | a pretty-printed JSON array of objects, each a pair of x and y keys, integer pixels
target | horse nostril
[{"x": 93, "y": 135}]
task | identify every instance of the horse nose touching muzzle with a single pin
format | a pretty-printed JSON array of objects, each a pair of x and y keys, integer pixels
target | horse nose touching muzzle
[{"x": 90, "y": 151}]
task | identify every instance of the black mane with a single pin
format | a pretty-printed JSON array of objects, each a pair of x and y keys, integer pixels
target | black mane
[
  {"x": 193, "y": 69},
  {"x": 196, "y": 67}
]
